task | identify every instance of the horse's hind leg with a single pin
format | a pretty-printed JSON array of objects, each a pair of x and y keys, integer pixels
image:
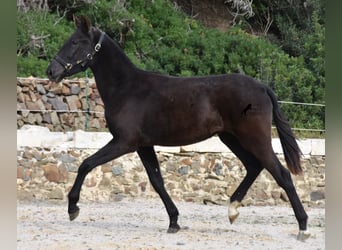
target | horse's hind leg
[
  {"x": 150, "y": 162},
  {"x": 252, "y": 166},
  {"x": 283, "y": 178},
  {"x": 262, "y": 149}
]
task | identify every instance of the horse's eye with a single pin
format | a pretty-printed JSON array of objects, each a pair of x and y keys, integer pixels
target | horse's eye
[{"x": 74, "y": 42}]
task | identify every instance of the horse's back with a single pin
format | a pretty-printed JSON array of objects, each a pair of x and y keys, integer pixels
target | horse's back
[{"x": 185, "y": 110}]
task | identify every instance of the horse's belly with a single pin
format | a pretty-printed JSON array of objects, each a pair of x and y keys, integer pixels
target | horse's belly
[{"x": 192, "y": 130}]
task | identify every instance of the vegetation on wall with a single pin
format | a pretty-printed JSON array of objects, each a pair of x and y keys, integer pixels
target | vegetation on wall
[{"x": 157, "y": 36}]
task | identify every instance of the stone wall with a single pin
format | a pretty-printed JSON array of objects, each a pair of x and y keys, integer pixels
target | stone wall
[
  {"x": 47, "y": 169},
  {"x": 59, "y": 106}
]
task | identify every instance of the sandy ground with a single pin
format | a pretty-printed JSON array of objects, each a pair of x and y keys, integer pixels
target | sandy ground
[{"x": 142, "y": 224}]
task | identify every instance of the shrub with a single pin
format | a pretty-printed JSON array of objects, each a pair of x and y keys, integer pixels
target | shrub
[{"x": 40, "y": 35}]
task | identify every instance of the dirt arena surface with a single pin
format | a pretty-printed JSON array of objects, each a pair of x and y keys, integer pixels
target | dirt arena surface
[{"x": 142, "y": 224}]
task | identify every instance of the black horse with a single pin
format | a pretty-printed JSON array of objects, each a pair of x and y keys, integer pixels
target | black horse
[{"x": 143, "y": 109}]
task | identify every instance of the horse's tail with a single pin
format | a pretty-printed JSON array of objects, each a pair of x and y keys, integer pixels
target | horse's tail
[{"x": 288, "y": 141}]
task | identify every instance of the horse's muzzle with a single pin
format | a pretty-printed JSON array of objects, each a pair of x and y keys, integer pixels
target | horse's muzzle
[{"x": 55, "y": 72}]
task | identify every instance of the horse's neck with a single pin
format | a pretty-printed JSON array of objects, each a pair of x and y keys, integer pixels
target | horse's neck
[{"x": 112, "y": 70}]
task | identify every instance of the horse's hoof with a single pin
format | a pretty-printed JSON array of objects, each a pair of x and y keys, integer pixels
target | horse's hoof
[
  {"x": 74, "y": 215},
  {"x": 233, "y": 213},
  {"x": 173, "y": 229},
  {"x": 303, "y": 235},
  {"x": 233, "y": 217}
]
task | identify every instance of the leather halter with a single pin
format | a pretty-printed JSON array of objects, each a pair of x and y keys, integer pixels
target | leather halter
[{"x": 83, "y": 62}]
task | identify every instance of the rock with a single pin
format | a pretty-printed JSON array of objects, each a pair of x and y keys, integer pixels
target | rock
[
  {"x": 51, "y": 172},
  {"x": 195, "y": 186},
  {"x": 170, "y": 185},
  {"x": 27, "y": 154},
  {"x": 94, "y": 123},
  {"x": 73, "y": 102},
  {"x": 66, "y": 90},
  {"x": 132, "y": 190},
  {"x": 57, "y": 104},
  {"x": 105, "y": 183},
  {"x": 25, "y": 89},
  {"x": 21, "y": 105},
  {"x": 136, "y": 178},
  {"x": 75, "y": 89},
  {"x": 37, "y": 155},
  {"x": 186, "y": 161},
  {"x": 74, "y": 153},
  {"x": 99, "y": 111},
  {"x": 56, "y": 194},
  {"x": 218, "y": 169},
  {"x": 208, "y": 187},
  {"x": 90, "y": 181},
  {"x": 106, "y": 168},
  {"x": 63, "y": 174},
  {"x": 317, "y": 195},
  {"x": 99, "y": 101},
  {"x": 40, "y": 104},
  {"x": 55, "y": 174},
  {"x": 25, "y": 195},
  {"x": 116, "y": 197},
  {"x": 56, "y": 88},
  {"x": 247, "y": 201},
  {"x": 184, "y": 170},
  {"x": 25, "y": 163},
  {"x": 66, "y": 119},
  {"x": 31, "y": 119},
  {"x": 66, "y": 158},
  {"x": 32, "y": 106},
  {"x": 261, "y": 194},
  {"x": 117, "y": 170},
  {"x": 47, "y": 118},
  {"x": 73, "y": 168},
  {"x": 54, "y": 118},
  {"x": 171, "y": 166},
  {"x": 20, "y": 172},
  {"x": 142, "y": 186},
  {"x": 50, "y": 95},
  {"x": 275, "y": 195},
  {"x": 40, "y": 89},
  {"x": 197, "y": 167}
]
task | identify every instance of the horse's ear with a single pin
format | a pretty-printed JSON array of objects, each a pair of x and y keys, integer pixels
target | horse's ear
[{"x": 82, "y": 23}]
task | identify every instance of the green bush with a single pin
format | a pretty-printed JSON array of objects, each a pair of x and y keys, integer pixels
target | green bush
[{"x": 40, "y": 35}]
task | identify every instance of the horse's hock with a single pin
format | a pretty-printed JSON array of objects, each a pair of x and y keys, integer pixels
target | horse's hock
[{"x": 204, "y": 172}]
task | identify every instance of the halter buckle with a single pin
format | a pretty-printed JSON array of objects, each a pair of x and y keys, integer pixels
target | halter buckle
[
  {"x": 97, "y": 47},
  {"x": 68, "y": 66},
  {"x": 89, "y": 57}
]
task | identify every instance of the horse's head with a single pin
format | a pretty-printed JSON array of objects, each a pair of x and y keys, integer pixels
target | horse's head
[{"x": 77, "y": 52}]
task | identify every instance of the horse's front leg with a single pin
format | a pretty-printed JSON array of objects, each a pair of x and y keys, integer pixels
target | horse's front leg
[
  {"x": 107, "y": 153},
  {"x": 151, "y": 164}
]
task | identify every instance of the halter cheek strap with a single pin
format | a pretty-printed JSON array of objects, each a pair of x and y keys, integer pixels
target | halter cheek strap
[{"x": 83, "y": 62}]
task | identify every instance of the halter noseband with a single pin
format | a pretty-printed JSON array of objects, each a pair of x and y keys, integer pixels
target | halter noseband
[{"x": 68, "y": 66}]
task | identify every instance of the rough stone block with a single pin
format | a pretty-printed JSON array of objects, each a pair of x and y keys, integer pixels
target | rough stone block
[{"x": 51, "y": 172}]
